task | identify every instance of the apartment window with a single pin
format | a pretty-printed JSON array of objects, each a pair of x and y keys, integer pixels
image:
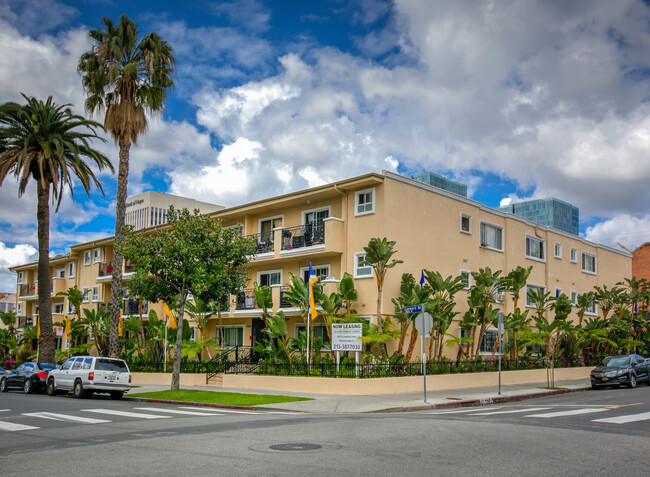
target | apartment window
[
  {"x": 588, "y": 263},
  {"x": 91, "y": 335},
  {"x": 592, "y": 310},
  {"x": 232, "y": 336},
  {"x": 19, "y": 309},
  {"x": 361, "y": 270},
  {"x": 269, "y": 278},
  {"x": 58, "y": 308},
  {"x": 488, "y": 342},
  {"x": 492, "y": 236},
  {"x": 574, "y": 298},
  {"x": 558, "y": 292},
  {"x": 466, "y": 278},
  {"x": 574, "y": 255},
  {"x": 193, "y": 333},
  {"x": 97, "y": 255},
  {"x": 319, "y": 331},
  {"x": 86, "y": 292},
  {"x": 535, "y": 248},
  {"x": 72, "y": 268},
  {"x": 364, "y": 202},
  {"x": 466, "y": 223},
  {"x": 95, "y": 293},
  {"x": 87, "y": 257},
  {"x": 532, "y": 289},
  {"x": 316, "y": 216},
  {"x": 21, "y": 277},
  {"x": 59, "y": 273},
  {"x": 266, "y": 227},
  {"x": 500, "y": 297},
  {"x": 321, "y": 271},
  {"x": 557, "y": 250}
]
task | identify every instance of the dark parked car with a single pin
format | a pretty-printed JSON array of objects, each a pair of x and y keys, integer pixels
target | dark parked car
[
  {"x": 30, "y": 377},
  {"x": 620, "y": 370}
]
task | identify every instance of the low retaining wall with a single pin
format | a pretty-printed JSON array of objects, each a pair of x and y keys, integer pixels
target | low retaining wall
[{"x": 370, "y": 386}]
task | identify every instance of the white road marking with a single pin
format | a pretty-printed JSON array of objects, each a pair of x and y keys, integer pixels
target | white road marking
[
  {"x": 137, "y": 415},
  {"x": 531, "y": 409},
  {"x": 574, "y": 412},
  {"x": 179, "y": 411},
  {"x": 12, "y": 427},
  {"x": 5, "y": 410},
  {"x": 66, "y": 418},
  {"x": 461, "y": 411},
  {"x": 644, "y": 416}
]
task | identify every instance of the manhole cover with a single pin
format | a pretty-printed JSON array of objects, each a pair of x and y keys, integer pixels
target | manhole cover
[{"x": 295, "y": 447}]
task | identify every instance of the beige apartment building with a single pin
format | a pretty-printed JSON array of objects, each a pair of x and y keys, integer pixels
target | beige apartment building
[{"x": 329, "y": 225}]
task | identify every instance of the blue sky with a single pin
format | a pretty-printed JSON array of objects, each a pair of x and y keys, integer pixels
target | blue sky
[{"x": 517, "y": 99}]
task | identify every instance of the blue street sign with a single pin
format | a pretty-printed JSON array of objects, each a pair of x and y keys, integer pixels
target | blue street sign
[{"x": 413, "y": 309}]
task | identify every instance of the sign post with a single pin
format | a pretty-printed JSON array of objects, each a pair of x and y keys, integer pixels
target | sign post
[
  {"x": 423, "y": 323},
  {"x": 347, "y": 337}
]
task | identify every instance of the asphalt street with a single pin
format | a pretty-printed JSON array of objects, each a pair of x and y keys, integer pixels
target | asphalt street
[{"x": 604, "y": 432}]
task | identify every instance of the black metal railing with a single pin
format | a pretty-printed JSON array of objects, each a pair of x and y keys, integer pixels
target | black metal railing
[
  {"x": 303, "y": 236},
  {"x": 264, "y": 242},
  {"x": 227, "y": 358},
  {"x": 284, "y": 301},
  {"x": 31, "y": 289},
  {"x": 105, "y": 269},
  {"x": 246, "y": 300},
  {"x": 132, "y": 307},
  {"x": 128, "y": 267}
]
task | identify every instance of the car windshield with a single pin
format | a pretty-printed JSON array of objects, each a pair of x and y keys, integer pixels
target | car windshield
[
  {"x": 103, "y": 364},
  {"x": 47, "y": 367},
  {"x": 615, "y": 361}
]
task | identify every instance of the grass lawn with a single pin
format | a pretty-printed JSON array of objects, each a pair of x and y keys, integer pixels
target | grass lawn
[{"x": 231, "y": 399}]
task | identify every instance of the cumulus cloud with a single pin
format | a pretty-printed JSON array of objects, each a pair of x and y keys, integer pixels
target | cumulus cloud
[
  {"x": 11, "y": 257},
  {"x": 623, "y": 229}
]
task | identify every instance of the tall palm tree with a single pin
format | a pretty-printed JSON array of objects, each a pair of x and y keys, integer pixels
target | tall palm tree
[
  {"x": 47, "y": 143},
  {"x": 127, "y": 78}
]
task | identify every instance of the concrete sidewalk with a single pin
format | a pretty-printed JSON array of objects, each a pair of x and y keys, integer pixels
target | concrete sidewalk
[{"x": 329, "y": 403}]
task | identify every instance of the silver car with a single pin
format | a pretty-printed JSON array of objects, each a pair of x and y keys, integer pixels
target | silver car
[{"x": 86, "y": 375}]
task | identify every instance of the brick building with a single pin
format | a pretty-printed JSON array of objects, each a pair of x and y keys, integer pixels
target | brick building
[{"x": 641, "y": 262}]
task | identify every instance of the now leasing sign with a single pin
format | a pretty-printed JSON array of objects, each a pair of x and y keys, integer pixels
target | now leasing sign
[{"x": 346, "y": 337}]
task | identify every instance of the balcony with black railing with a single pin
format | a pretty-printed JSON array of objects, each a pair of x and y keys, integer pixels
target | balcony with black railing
[
  {"x": 132, "y": 307},
  {"x": 284, "y": 301},
  {"x": 31, "y": 290},
  {"x": 264, "y": 242},
  {"x": 246, "y": 300},
  {"x": 303, "y": 236}
]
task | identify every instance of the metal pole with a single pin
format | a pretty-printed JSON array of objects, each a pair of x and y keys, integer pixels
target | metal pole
[
  {"x": 424, "y": 367},
  {"x": 500, "y": 338},
  {"x": 165, "y": 350}
]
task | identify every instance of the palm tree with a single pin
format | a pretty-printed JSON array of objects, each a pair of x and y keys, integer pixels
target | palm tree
[
  {"x": 378, "y": 255},
  {"x": 45, "y": 142},
  {"x": 128, "y": 78}
]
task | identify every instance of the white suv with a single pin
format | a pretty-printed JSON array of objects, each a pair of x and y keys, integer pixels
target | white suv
[{"x": 86, "y": 375}]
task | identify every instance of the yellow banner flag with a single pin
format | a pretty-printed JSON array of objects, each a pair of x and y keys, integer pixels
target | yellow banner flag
[
  {"x": 120, "y": 329},
  {"x": 38, "y": 327},
  {"x": 68, "y": 327},
  {"x": 171, "y": 322}
]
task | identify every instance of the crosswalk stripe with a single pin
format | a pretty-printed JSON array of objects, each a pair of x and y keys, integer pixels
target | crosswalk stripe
[
  {"x": 461, "y": 410},
  {"x": 12, "y": 426},
  {"x": 531, "y": 409},
  {"x": 644, "y": 416},
  {"x": 573, "y": 412},
  {"x": 5, "y": 410},
  {"x": 66, "y": 418},
  {"x": 179, "y": 411},
  {"x": 137, "y": 415}
]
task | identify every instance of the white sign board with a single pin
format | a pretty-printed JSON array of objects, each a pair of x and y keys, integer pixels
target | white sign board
[
  {"x": 424, "y": 323},
  {"x": 347, "y": 337},
  {"x": 59, "y": 330}
]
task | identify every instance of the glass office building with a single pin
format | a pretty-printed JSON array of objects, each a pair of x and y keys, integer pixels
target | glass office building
[
  {"x": 551, "y": 212},
  {"x": 441, "y": 182}
]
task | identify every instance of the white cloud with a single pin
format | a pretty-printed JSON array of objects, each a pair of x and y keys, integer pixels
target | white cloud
[
  {"x": 624, "y": 229},
  {"x": 11, "y": 257}
]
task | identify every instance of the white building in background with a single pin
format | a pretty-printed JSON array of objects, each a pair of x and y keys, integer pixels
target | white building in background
[{"x": 150, "y": 208}]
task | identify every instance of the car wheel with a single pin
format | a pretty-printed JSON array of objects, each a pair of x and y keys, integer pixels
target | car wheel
[
  {"x": 116, "y": 395},
  {"x": 3, "y": 386},
  {"x": 51, "y": 390},
  {"x": 78, "y": 390},
  {"x": 27, "y": 387},
  {"x": 90, "y": 394},
  {"x": 593, "y": 386},
  {"x": 632, "y": 382}
]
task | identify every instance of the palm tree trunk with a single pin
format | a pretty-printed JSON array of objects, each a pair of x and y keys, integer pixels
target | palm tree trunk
[
  {"x": 120, "y": 212},
  {"x": 176, "y": 370},
  {"x": 46, "y": 343}
]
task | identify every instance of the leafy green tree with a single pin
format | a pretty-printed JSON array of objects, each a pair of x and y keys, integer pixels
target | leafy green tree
[
  {"x": 201, "y": 312},
  {"x": 441, "y": 308},
  {"x": 98, "y": 323},
  {"x": 483, "y": 293},
  {"x": 194, "y": 255},
  {"x": 379, "y": 255},
  {"x": 128, "y": 78},
  {"x": 515, "y": 281},
  {"x": 47, "y": 143}
]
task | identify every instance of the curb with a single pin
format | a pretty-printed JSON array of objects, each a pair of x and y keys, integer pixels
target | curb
[
  {"x": 188, "y": 403},
  {"x": 480, "y": 401}
]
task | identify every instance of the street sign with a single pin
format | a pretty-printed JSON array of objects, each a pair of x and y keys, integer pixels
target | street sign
[
  {"x": 413, "y": 309},
  {"x": 424, "y": 323},
  {"x": 59, "y": 330},
  {"x": 347, "y": 337}
]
